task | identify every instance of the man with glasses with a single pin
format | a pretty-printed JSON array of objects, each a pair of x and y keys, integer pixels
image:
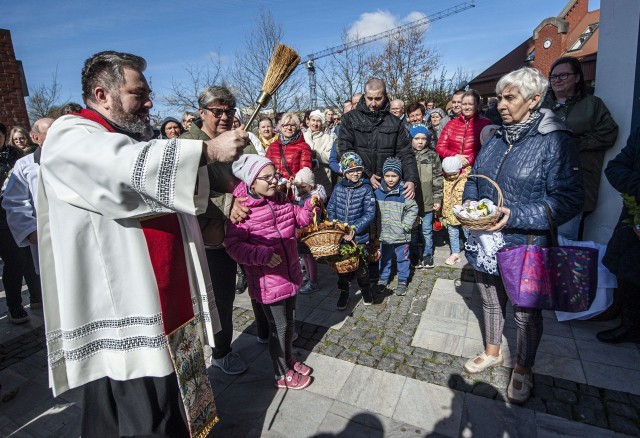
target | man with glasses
[{"x": 217, "y": 111}]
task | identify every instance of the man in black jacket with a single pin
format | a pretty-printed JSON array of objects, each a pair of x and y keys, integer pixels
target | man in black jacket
[{"x": 375, "y": 134}]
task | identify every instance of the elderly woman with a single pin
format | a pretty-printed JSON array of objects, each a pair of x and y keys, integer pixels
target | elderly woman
[
  {"x": 415, "y": 114},
  {"x": 461, "y": 136},
  {"x": 437, "y": 120},
  {"x": 265, "y": 133},
  {"x": 19, "y": 139},
  {"x": 534, "y": 161},
  {"x": 289, "y": 153},
  {"x": 320, "y": 143},
  {"x": 591, "y": 124}
]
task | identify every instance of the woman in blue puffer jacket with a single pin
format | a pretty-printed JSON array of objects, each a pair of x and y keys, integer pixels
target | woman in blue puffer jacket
[{"x": 534, "y": 160}]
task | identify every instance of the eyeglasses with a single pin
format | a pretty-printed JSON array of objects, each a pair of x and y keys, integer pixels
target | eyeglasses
[
  {"x": 561, "y": 76},
  {"x": 289, "y": 126},
  {"x": 269, "y": 178},
  {"x": 217, "y": 112}
]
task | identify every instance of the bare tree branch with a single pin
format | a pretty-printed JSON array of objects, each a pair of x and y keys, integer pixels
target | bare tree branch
[
  {"x": 45, "y": 100},
  {"x": 184, "y": 93}
]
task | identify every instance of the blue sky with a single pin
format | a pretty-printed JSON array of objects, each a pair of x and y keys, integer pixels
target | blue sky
[{"x": 171, "y": 35}]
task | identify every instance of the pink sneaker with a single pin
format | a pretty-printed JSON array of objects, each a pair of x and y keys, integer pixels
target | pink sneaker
[
  {"x": 293, "y": 380},
  {"x": 300, "y": 367}
]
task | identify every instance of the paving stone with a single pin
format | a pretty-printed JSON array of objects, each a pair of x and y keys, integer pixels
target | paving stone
[
  {"x": 415, "y": 362},
  {"x": 362, "y": 345},
  {"x": 544, "y": 392},
  {"x": 591, "y": 402},
  {"x": 349, "y": 355},
  {"x": 624, "y": 425},
  {"x": 424, "y": 375},
  {"x": 565, "y": 396},
  {"x": 441, "y": 379},
  {"x": 543, "y": 379},
  {"x": 433, "y": 366},
  {"x": 585, "y": 389},
  {"x": 484, "y": 390},
  {"x": 387, "y": 364},
  {"x": 589, "y": 416},
  {"x": 566, "y": 384},
  {"x": 611, "y": 395},
  {"x": 559, "y": 409},
  {"x": 622, "y": 409},
  {"x": 536, "y": 404},
  {"x": 406, "y": 370},
  {"x": 398, "y": 357},
  {"x": 366, "y": 360},
  {"x": 333, "y": 350},
  {"x": 388, "y": 341},
  {"x": 345, "y": 342},
  {"x": 422, "y": 353},
  {"x": 635, "y": 399}
]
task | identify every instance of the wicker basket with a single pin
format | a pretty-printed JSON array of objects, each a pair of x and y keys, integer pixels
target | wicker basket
[
  {"x": 347, "y": 265},
  {"x": 323, "y": 243},
  {"x": 484, "y": 222}
]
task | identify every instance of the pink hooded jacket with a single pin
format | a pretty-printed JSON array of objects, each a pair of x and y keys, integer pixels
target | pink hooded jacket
[{"x": 270, "y": 228}]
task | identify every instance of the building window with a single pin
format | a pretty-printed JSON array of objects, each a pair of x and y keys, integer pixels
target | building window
[
  {"x": 582, "y": 39},
  {"x": 531, "y": 56}
]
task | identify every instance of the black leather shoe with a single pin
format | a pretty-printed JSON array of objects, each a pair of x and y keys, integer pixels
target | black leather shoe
[{"x": 620, "y": 334}]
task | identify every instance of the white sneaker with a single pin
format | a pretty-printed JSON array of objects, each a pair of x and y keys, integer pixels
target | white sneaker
[{"x": 231, "y": 364}]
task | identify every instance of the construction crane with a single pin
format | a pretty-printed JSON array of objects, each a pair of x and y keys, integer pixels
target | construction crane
[{"x": 310, "y": 59}]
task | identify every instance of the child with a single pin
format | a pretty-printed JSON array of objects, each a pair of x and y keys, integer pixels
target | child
[
  {"x": 453, "y": 171},
  {"x": 397, "y": 216},
  {"x": 304, "y": 187},
  {"x": 352, "y": 202},
  {"x": 428, "y": 195},
  {"x": 266, "y": 246}
]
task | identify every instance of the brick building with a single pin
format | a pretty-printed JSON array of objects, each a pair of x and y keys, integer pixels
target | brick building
[
  {"x": 574, "y": 32},
  {"x": 13, "y": 87}
]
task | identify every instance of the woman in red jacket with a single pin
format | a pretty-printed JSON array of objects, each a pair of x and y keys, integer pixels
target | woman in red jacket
[
  {"x": 289, "y": 153},
  {"x": 461, "y": 135}
]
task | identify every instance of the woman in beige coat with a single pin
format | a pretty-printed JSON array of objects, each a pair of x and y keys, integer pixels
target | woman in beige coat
[{"x": 320, "y": 144}]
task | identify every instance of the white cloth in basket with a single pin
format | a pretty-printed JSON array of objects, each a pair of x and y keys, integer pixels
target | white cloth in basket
[{"x": 486, "y": 244}]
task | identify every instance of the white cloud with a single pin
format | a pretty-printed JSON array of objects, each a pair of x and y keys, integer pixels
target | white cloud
[{"x": 371, "y": 23}]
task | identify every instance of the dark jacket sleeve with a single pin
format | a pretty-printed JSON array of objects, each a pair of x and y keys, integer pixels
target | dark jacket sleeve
[
  {"x": 346, "y": 137},
  {"x": 605, "y": 131},
  {"x": 623, "y": 172},
  {"x": 407, "y": 156},
  {"x": 564, "y": 188}
]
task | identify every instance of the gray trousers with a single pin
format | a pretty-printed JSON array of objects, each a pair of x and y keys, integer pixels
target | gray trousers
[{"x": 494, "y": 308}]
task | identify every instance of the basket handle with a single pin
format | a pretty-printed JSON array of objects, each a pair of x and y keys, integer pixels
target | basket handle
[{"x": 500, "y": 202}]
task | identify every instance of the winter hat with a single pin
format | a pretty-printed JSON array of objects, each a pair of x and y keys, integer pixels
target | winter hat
[
  {"x": 451, "y": 165},
  {"x": 304, "y": 176},
  {"x": 317, "y": 113},
  {"x": 392, "y": 164},
  {"x": 418, "y": 129},
  {"x": 248, "y": 166},
  {"x": 350, "y": 161},
  {"x": 238, "y": 115},
  {"x": 486, "y": 133}
]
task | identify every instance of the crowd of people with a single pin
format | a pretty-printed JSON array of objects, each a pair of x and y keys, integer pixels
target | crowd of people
[{"x": 186, "y": 217}]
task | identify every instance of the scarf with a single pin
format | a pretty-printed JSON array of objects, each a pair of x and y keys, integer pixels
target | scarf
[
  {"x": 266, "y": 142},
  {"x": 515, "y": 132},
  {"x": 285, "y": 141}
]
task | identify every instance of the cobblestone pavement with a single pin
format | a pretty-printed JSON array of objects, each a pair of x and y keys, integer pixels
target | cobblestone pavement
[{"x": 379, "y": 336}]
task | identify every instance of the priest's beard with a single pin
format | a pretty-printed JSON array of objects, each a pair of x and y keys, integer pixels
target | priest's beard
[{"x": 136, "y": 123}]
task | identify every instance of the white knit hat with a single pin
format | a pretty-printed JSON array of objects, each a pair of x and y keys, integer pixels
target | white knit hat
[
  {"x": 451, "y": 165},
  {"x": 248, "y": 166},
  {"x": 317, "y": 113},
  {"x": 304, "y": 176}
]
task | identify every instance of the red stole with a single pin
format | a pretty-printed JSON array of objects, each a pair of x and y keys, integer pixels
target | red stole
[{"x": 166, "y": 252}]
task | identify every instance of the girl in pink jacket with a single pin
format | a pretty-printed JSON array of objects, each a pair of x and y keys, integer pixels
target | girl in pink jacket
[{"x": 266, "y": 247}]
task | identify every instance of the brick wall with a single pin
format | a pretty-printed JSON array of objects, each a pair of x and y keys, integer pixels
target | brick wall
[
  {"x": 13, "y": 109},
  {"x": 545, "y": 57}
]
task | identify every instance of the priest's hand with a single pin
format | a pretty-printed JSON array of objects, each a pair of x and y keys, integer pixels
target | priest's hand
[
  {"x": 409, "y": 190},
  {"x": 238, "y": 211},
  {"x": 226, "y": 147}
]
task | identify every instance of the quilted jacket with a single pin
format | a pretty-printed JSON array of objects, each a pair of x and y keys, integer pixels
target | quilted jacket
[
  {"x": 355, "y": 205},
  {"x": 376, "y": 136},
  {"x": 397, "y": 214},
  {"x": 462, "y": 136},
  {"x": 429, "y": 191},
  {"x": 297, "y": 155},
  {"x": 541, "y": 167},
  {"x": 270, "y": 228}
]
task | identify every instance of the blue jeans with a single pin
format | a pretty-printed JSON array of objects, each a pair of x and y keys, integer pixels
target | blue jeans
[
  {"x": 423, "y": 233},
  {"x": 454, "y": 237},
  {"x": 401, "y": 251}
]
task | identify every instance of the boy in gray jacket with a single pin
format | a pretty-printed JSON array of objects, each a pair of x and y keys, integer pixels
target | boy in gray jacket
[{"x": 397, "y": 215}]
